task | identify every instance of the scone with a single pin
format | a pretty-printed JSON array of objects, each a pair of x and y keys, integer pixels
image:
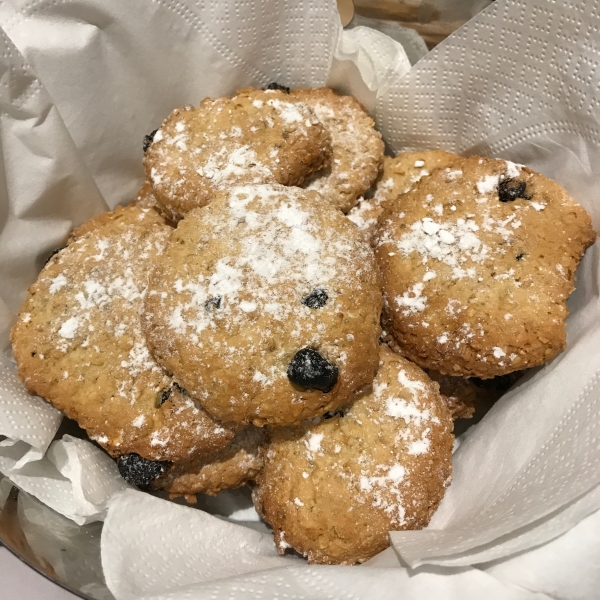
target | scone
[
  {"x": 398, "y": 176},
  {"x": 265, "y": 306},
  {"x": 119, "y": 217},
  {"x": 357, "y": 147},
  {"x": 78, "y": 343},
  {"x": 231, "y": 467},
  {"x": 478, "y": 265},
  {"x": 259, "y": 136},
  {"x": 332, "y": 489},
  {"x": 146, "y": 199}
]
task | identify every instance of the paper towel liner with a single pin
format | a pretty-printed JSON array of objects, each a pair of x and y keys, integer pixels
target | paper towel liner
[
  {"x": 178, "y": 553},
  {"x": 520, "y": 80}
]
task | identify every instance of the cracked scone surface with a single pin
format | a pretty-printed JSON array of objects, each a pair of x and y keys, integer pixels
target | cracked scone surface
[
  {"x": 258, "y": 136},
  {"x": 333, "y": 490},
  {"x": 258, "y": 283},
  {"x": 398, "y": 176},
  {"x": 231, "y": 467},
  {"x": 357, "y": 147},
  {"x": 78, "y": 343},
  {"x": 478, "y": 266}
]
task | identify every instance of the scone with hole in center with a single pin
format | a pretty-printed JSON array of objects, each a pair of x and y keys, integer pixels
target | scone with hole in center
[
  {"x": 258, "y": 136},
  {"x": 399, "y": 175},
  {"x": 78, "y": 343},
  {"x": 265, "y": 306},
  {"x": 334, "y": 488},
  {"x": 478, "y": 265},
  {"x": 357, "y": 147}
]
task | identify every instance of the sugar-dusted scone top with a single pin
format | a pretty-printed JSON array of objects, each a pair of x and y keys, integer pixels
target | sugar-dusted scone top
[
  {"x": 266, "y": 306},
  {"x": 357, "y": 147},
  {"x": 258, "y": 136},
  {"x": 78, "y": 343},
  {"x": 478, "y": 265},
  {"x": 332, "y": 490},
  {"x": 399, "y": 175}
]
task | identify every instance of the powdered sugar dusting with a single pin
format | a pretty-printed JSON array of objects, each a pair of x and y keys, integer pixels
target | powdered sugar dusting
[
  {"x": 288, "y": 111},
  {"x": 57, "y": 283},
  {"x": 229, "y": 164},
  {"x": 278, "y": 248},
  {"x": 488, "y": 184},
  {"x": 101, "y": 303},
  {"x": 69, "y": 328},
  {"x": 356, "y": 146},
  {"x": 452, "y": 243},
  {"x": 380, "y": 487}
]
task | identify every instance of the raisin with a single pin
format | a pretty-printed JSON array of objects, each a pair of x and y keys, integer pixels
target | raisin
[
  {"x": 54, "y": 253},
  {"x": 520, "y": 255},
  {"x": 309, "y": 369},
  {"x": 213, "y": 303},
  {"x": 511, "y": 189},
  {"x": 164, "y": 396},
  {"x": 140, "y": 471},
  {"x": 148, "y": 139},
  {"x": 276, "y": 86},
  {"x": 166, "y": 393},
  {"x": 179, "y": 388},
  {"x": 316, "y": 299}
]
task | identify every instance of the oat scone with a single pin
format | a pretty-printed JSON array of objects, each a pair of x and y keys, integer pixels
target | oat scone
[
  {"x": 258, "y": 136},
  {"x": 478, "y": 266},
  {"x": 120, "y": 216},
  {"x": 231, "y": 467},
  {"x": 265, "y": 306},
  {"x": 399, "y": 175},
  {"x": 332, "y": 490},
  {"x": 357, "y": 147},
  {"x": 78, "y": 343}
]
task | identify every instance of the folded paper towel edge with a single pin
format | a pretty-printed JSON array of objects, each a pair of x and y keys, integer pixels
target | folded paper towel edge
[
  {"x": 358, "y": 46},
  {"x": 496, "y": 549}
]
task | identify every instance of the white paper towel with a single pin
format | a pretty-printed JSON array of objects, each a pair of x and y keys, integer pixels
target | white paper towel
[
  {"x": 184, "y": 554},
  {"x": 140, "y": 59},
  {"x": 519, "y": 81},
  {"x": 74, "y": 478},
  {"x": 544, "y": 568}
]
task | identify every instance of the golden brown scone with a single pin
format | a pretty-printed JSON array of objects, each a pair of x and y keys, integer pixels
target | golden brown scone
[
  {"x": 357, "y": 147},
  {"x": 463, "y": 396},
  {"x": 332, "y": 490},
  {"x": 398, "y": 176},
  {"x": 478, "y": 266},
  {"x": 146, "y": 199},
  {"x": 231, "y": 467},
  {"x": 266, "y": 305},
  {"x": 259, "y": 136},
  {"x": 119, "y": 216},
  {"x": 78, "y": 343}
]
